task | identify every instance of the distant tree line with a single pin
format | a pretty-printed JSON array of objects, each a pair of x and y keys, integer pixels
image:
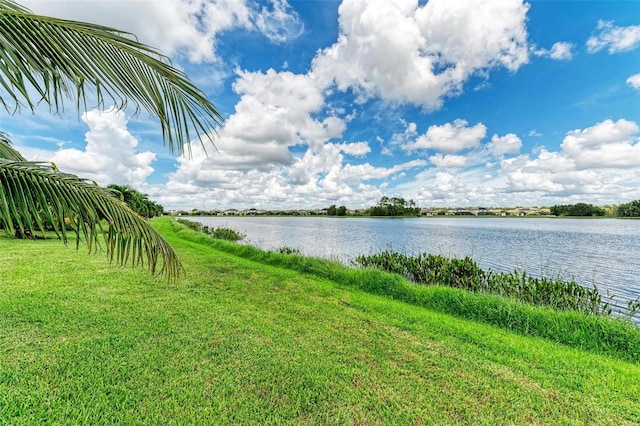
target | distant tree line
[
  {"x": 394, "y": 206},
  {"x": 138, "y": 202},
  {"x": 631, "y": 209},
  {"x": 580, "y": 209}
]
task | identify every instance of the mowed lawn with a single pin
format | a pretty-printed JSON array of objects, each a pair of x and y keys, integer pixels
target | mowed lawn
[{"x": 237, "y": 342}]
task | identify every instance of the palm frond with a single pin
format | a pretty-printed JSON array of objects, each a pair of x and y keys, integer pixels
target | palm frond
[
  {"x": 36, "y": 196},
  {"x": 60, "y": 59},
  {"x": 12, "y": 5},
  {"x": 7, "y": 151}
]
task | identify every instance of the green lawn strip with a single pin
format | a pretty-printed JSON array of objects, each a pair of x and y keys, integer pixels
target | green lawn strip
[
  {"x": 600, "y": 334},
  {"x": 237, "y": 342}
]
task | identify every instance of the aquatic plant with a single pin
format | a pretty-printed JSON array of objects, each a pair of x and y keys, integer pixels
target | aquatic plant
[
  {"x": 466, "y": 274},
  {"x": 288, "y": 250},
  {"x": 222, "y": 233}
]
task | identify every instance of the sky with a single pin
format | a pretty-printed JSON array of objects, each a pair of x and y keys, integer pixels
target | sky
[{"x": 448, "y": 103}]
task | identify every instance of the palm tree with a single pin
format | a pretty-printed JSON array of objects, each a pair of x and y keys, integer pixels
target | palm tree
[{"x": 49, "y": 60}]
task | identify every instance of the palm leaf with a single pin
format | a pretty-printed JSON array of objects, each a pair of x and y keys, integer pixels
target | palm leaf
[
  {"x": 7, "y": 151},
  {"x": 36, "y": 195},
  {"x": 59, "y": 59}
]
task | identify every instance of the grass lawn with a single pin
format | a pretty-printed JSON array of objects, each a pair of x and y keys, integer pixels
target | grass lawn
[{"x": 239, "y": 342}]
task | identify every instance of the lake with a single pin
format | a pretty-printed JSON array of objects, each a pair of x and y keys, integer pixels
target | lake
[{"x": 604, "y": 252}]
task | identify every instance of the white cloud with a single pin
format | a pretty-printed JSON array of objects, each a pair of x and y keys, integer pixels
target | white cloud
[
  {"x": 110, "y": 154},
  {"x": 634, "y": 81},
  {"x": 599, "y": 164},
  {"x": 607, "y": 144},
  {"x": 560, "y": 51},
  {"x": 280, "y": 24},
  {"x": 449, "y": 137},
  {"x": 406, "y": 52},
  {"x": 507, "y": 144},
  {"x": 616, "y": 39},
  {"x": 448, "y": 161},
  {"x": 600, "y": 160},
  {"x": 275, "y": 112},
  {"x": 189, "y": 27},
  {"x": 279, "y": 108},
  {"x": 357, "y": 149},
  {"x": 254, "y": 164},
  {"x": 322, "y": 175}
]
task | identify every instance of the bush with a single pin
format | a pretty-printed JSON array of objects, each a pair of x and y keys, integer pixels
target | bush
[{"x": 228, "y": 234}]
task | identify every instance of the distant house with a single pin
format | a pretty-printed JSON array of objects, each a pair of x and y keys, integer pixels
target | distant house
[
  {"x": 426, "y": 212},
  {"x": 231, "y": 212},
  {"x": 481, "y": 211}
]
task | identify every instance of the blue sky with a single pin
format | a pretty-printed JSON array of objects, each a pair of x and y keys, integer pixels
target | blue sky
[{"x": 448, "y": 103}]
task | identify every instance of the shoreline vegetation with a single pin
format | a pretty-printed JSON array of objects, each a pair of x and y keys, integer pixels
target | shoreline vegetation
[
  {"x": 255, "y": 337},
  {"x": 561, "y": 311}
]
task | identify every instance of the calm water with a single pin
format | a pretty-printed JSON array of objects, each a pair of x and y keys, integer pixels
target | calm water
[{"x": 605, "y": 252}]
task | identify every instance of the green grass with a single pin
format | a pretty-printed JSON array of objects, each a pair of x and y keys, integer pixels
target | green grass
[
  {"x": 605, "y": 335},
  {"x": 240, "y": 342}
]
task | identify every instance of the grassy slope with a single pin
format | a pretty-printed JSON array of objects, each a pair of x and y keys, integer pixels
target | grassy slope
[{"x": 240, "y": 342}]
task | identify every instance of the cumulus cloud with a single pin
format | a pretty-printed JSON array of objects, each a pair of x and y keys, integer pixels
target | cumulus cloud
[
  {"x": 322, "y": 175},
  {"x": 634, "y": 81},
  {"x": 280, "y": 108},
  {"x": 449, "y": 137},
  {"x": 607, "y": 144},
  {"x": 560, "y": 51},
  {"x": 403, "y": 51},
  {"x": 110, "y": 155},
  {"x": 507, "y": 144},
  {"x": 178, "y": 26},
  {"x": 276, "y": 111},
  {"x": 357, "y": 149},
  {"x": 600, "y": 163},
  {"x": 598, "y": 160},
  {"x": 254, "y": 164},
  {"x": 614, "y": 39},
  {"x": 280, "y": 24}
]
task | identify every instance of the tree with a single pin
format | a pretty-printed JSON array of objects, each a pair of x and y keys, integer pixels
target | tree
[
  {"x": 630, "y": 209},
  {"x": 580, "y": 209},
  {"x": 394, "y": 206},
  {"x": 138, "y": 202},
  {"x": 47, "y": 60}
]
